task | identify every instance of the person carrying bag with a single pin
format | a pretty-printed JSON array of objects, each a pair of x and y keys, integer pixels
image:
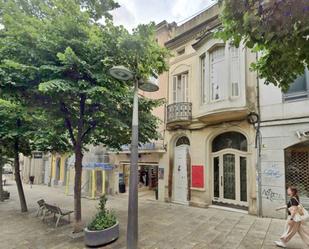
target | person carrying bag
[{"x": 297, "y": 215}]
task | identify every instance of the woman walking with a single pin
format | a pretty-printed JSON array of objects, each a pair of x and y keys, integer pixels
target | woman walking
[{"x": 292, "y": 226}]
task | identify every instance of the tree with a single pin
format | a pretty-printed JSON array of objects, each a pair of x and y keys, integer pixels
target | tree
[
  {"x": 62, "y": 61},
  {"x": 14, "y": 135},
  {"x": 277, "y": 29},
  {"x": 23, "y": 130}
]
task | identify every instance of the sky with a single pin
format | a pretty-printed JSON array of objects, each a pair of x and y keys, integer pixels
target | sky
[{"x": 133, "y": 12}]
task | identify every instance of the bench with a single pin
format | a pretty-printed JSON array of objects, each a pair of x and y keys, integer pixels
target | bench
[
  {"x": 41, "y": 208},
  {"x": 56, "y": 211}
]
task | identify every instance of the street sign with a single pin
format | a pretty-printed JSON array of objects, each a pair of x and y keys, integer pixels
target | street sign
[{"x": 37, "y": 155}]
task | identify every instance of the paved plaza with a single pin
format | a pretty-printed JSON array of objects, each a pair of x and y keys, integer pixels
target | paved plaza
[{"x": 162, "y": 225}]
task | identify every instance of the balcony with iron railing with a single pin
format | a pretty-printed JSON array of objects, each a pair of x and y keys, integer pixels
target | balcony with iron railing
[{"x": 179, "y": 114}]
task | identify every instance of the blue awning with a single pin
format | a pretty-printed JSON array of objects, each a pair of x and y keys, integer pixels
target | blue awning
[{"x": 95, "y": 165}]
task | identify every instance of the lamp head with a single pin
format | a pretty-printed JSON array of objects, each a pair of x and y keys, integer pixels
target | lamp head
[
  {"x": 121, "y": 73},
  {"x": 253, "y": 118},
  {"x": 149, "y": 85}
]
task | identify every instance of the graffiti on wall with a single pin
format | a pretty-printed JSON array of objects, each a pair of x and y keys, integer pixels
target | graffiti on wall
[
  {"x": 273, "y": 172},
  {"x": 272, "y": 195}
]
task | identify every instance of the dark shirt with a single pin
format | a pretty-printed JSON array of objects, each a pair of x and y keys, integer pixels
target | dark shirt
[{"x": 292, "y": 202}]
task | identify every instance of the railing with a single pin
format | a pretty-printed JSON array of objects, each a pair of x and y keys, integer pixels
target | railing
[
  {"x": 156, "y": 145},
  {"x": 181, "y": 111}
]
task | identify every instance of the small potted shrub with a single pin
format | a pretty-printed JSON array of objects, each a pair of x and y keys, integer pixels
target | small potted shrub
[{"x": 104, "y": 228}]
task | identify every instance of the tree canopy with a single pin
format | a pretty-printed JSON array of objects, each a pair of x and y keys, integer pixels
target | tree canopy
[
  {"x": 278, "y": 30},
  {"x": 55, "y": 55}
]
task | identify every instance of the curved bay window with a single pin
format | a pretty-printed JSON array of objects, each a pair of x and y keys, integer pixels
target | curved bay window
[
  {"x": 220, "y": 69},
  {"x": 229, "y": 159}
]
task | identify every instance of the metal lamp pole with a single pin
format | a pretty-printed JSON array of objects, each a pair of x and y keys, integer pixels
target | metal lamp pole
[
  {"x": 132, "y": 226},
  {"x": 150, "y": 85}
]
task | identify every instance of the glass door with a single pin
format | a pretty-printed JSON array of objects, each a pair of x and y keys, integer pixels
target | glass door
[
  {"x": 230, "y": 178},
  {"x": 216, "y": 177}
]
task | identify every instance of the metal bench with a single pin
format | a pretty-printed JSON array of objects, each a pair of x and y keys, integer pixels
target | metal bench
[
  {"x": 41, "y": 208},
  {"x": 56, "y": 211}
]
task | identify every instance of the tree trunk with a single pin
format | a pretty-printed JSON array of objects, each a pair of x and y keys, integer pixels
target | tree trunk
[
  {"x": 78, "y": 189},
  {"x": 1, "y": 186},
  {"x": 78, "y": 150},
  {"x": 21, "y": 194}
]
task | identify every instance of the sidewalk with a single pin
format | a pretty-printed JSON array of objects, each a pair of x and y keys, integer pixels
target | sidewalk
[{"x": 161, "y": 225}]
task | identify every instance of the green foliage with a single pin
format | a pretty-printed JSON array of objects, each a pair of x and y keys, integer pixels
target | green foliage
[
  {"x": 31, "y": 128},
  {"x": 104, "y": 218},
  {"x": 15, "y": 124},
  {"x": 62, "y": 60},
  {"x": 55, "y": 58},
  {"x": 277, "y": 30}
]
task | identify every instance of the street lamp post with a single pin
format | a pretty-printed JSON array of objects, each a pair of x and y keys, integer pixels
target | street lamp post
[{"x": 122, "y": 73}]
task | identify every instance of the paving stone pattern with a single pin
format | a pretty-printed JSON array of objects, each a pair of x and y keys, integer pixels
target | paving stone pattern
[{"x": 161, "y": 225}]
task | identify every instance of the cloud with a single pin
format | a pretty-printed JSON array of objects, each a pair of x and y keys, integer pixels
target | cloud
[
  {"x": 123, "y": 16},
  {"x": 133, "y": 12}
]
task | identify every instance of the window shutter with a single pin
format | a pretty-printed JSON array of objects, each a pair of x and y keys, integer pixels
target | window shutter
[
  {"x": 217, "y": 72},
  {"x": 235, "y": 89},
  {"x": 203, "y": 79},
  {"x": 174, "y": 89},
  {"x": 234, "y": 71},
  {"x": 185, "y": 87}
]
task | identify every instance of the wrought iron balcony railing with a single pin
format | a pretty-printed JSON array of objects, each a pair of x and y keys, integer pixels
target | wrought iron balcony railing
[{"x": 181, "y": 111}]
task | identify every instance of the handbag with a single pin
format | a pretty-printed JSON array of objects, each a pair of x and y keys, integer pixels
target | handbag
[{"x": 301, "y": 213}]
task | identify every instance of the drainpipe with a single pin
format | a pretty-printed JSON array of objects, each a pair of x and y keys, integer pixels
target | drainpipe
[{"x": 258, "y": 147}]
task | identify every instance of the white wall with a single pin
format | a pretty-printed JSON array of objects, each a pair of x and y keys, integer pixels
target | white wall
[
  {"x": 276, "y": 139},
  {"x": 273, "y": 107},
  {"x": 280, "y": 122}
]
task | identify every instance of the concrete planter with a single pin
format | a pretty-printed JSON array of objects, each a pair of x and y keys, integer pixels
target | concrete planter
[
  {"x": 6, "y": 195},
  {"x": 98, "y": 238}
]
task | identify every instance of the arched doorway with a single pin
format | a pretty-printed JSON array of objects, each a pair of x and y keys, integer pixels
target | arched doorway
[
  {"x": 230, "y": 173},
  {"x": 181, "y": 157},
  {"x": 297, "y": 169}
]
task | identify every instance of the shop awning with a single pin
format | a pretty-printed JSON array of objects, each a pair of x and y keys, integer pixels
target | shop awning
[
  {"x": 91, "y": 165},
  {"x": 96, "y": 165}
]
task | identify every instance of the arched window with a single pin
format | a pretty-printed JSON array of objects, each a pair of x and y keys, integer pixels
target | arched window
[
  {"x": 230, "y": 140},
  {"x": 182, "y": 141}
]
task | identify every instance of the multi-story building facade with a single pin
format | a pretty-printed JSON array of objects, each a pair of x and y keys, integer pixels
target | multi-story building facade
[
  {"x": 284, "y": 136},
  {"x": 210, "y": 158},
  {"x": 232, "y": 141}
]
